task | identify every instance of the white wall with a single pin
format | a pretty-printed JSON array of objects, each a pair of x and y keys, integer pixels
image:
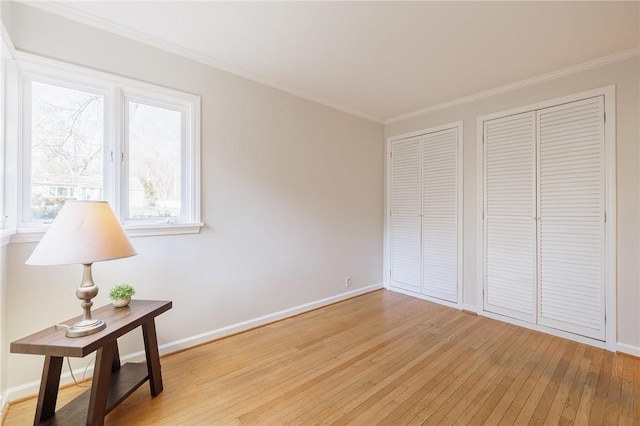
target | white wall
[
  {"x": 292, "y": 199},
  {"x": 626, "y": 76}
]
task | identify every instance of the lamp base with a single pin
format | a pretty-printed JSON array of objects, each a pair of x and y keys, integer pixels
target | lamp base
[{"x": 85, "y": 328}]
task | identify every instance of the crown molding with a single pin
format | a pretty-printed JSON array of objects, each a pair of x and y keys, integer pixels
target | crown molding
[
  {"x": 6, "y": 44},
  {"x": 109, "y": 26},
  {"x": 573, "y": 69},
  {"x": 129, "y": 33}
]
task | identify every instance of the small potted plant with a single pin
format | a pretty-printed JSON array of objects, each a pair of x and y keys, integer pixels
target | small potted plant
[{"x": 121, "y": 295}]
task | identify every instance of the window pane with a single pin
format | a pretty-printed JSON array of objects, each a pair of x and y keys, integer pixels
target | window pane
[
  {"x": 155, "y": 137},
  {"x": 67, "y": 132}
]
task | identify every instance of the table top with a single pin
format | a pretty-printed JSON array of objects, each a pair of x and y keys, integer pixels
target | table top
[{"x": 52, "y": 341}]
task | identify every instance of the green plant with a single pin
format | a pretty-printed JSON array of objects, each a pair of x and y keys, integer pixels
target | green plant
[{"x": 121, "y": 291}]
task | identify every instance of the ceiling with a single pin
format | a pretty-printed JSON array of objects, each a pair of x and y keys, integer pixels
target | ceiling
[{"x": 379, "y": 60}]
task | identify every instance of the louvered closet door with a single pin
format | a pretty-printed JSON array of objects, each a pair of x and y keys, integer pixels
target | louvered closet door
[
  {"x": 440, "y": 215},
  {"x": 509, "y": 225},
  {"x": 571, "y": 211},
  {"x": 405, "y": 214}
]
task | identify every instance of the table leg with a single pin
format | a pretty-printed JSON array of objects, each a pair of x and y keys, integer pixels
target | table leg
[
  {"x": 100, "y": 384},
  {"x": 49, "y": 384},
  {"x": 153, "y": 356},
  {"x": 115, "y": 364}
]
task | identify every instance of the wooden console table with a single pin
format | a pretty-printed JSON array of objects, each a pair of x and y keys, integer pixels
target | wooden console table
[{"x": 112, "y": 383}]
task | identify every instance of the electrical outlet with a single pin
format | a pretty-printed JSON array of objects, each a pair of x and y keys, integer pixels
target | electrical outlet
[{"x": 347, "y": 282}]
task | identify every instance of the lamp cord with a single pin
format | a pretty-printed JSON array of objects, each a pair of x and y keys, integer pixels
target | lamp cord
[
  {"x": 83, "y": 374},
  {"x": 71, "y": 369}
]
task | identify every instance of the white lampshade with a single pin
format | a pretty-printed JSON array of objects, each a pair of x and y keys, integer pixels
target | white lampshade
[{"x": 83, "y": 232}]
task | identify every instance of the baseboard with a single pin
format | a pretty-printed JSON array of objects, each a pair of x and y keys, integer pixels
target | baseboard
[
  {"x": 469, "y": 308},
  {"x": 427, "y": 298},
  {"x": 31, "y": 388},
  {"x": 628, "y": 349},
  {"x": 4, "y": 404},
  {"x": 219, "y": 333},
  {"x": 549, "y": 330}
]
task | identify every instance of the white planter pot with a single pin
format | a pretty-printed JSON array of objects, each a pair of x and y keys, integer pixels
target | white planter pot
[{"x": 121, "y": 303}]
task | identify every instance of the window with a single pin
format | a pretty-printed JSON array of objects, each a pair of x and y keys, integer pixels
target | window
[
  {"x": 154, "y": 168},
  {"x": 67, "y": 143},
  {"x": 92, "y": 136}
]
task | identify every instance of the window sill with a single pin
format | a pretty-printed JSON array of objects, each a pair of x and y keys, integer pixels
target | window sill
[{"x": 34, "y": 235}]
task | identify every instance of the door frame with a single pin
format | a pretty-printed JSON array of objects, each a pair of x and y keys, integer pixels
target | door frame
[
  {"x": 459, "y": 126},
  {"x": 610, "y": 245}
]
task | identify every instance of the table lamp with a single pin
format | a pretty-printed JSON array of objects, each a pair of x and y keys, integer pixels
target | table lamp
[{"x": 84, "y": 232}]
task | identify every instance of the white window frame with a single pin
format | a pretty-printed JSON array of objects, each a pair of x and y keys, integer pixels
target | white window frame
[
  {"x": 6, "y": 73},
  {"x": 188, "y": 157},
  {"x": 26, "y": 80},
  {"x": 116, "y": 91}
]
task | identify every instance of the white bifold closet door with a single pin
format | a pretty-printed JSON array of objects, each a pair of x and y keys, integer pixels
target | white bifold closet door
[
  {"x": 424, "y": 214},
  {"x": 510, "y": 216},
  {"x": 544, "y": 217},
  {"x": 571, "y": 212},
  {"x": 440, "y": 215},
  {"x": 406, "y": 210}
]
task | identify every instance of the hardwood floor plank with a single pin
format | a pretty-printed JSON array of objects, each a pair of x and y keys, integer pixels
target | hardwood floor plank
[
  {"x": 541, "y": 345},
  {"x": 464, "y": 411},
  {"x": 636, "y": 391},
  {"x": 523, "y": 392},
  {"x": 554, "y": 412},
  {"x": 626, "y": 414},
  {"x": 499, "y": 393},
  {"x": 387, "y": 380},
  {"x": 410, "y": 376},
  {"x": 383, "y": 358},
  {"x": 417, "y": 376},
  {"x": 439, "y": 402},
  {"x": 551, "y": 394},
  {"x": 614, "y": 396},
  {"x": 597, "y": 413},
  {"x": 538, "y": 394},
  {"x": 589, "y": 391}
]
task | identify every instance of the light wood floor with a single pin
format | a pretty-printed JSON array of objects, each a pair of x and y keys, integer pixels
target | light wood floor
[{"x": 384, "y": 358}]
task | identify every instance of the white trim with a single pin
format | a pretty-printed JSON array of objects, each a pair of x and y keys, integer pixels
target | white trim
[
  {"x": 424, "y": 131},
  {"x": 64, "y": 70},
  {"x": 7, "y": 54},
  {"x": 5, "y": 236},
  {"x": 600, "y": 91},
  {"x": 469, "y": 308},
  {"x": 114, "y": 88},
  {"x": 563, "y": 72},
  {"x": 7, "y": 44},
  {"x": 386, "y": 238},
  {"x": 628, "y": 349},
  {"x": 87, "y": 19},
  {"x": 611, "y": 214},
  {"x": 459, "y": 126},
  {"x": 460, "y": 213},
  {"x": 548, "y": 330},
  {"x": 93, "y": 21},
  {"x": 427, "y": 298},
  {"x": 610, "y": 206},
  {"x": 4, "y": 406},
  {"x": 34, "y": 235},
  {"x": 31, "y": 388},
  {"x": 480, "y": 214}
]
